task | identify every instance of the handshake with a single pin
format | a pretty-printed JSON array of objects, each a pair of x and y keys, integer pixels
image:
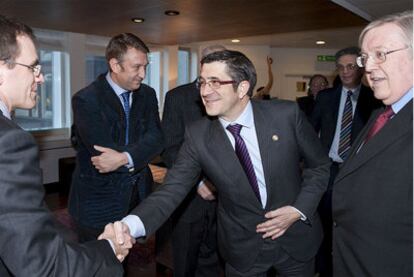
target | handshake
[{"x": 118, "y": 233}]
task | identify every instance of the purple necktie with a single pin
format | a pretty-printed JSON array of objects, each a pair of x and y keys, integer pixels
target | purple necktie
[
  {"x": 380, "y": 122},
  {"x": 244, "y": 157}
]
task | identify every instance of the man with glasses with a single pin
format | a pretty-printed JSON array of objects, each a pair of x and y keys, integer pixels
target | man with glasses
[
  {"x": 338, "y": 116},
  {"x": 251, "y": 151},
  {"x": 372, "y": 200},
  {"x": 117, "y": 130},
  {"x": 30, "y": 242},
  {"x": 193, "y": 239}
]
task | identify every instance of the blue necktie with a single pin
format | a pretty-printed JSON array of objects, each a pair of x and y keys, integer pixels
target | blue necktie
[
  {"x": 125, "y": 102},
  {"x": 346, "y": 128},
  {"x": 244, "y": 157}
]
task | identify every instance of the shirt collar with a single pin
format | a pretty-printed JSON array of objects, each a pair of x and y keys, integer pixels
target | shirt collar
[
  {"x": 245, "y": 118},
  {"x": 4, "y": 110},
  {"x": 397, "y": 106},
  {"x": 118, "y": 90},
  {"x": 355, "y": 91}
]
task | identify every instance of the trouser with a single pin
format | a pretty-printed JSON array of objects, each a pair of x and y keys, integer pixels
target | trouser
[
  {"x": 273, "y": 255},
  {"x": 324, "y": 256},
  {"x": 194, "y": 245}
]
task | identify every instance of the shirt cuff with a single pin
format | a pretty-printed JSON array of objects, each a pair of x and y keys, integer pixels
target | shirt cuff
[
  {"x": 135, "y": 225},
  {"x": 201, "y": 183},
  {"x": 302, "y": 216},
  {"x": 130, "y": 163}
]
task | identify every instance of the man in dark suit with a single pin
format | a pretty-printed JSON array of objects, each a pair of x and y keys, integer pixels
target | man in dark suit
[
  {"x": 373, "y": 192},
  {"x": 338, "y": 116},
  {"x": 317, "y": 83},
  {"x": 30, "y": 242},
  {"x": 117, "y": 129},
  {"x": 193, "y": 239},
  {"x": 266, "y": 208}
]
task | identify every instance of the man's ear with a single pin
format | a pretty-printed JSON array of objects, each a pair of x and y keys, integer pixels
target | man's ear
[
  {"x": 243, "y": 88},
  {"x": 114, "y": 64}
]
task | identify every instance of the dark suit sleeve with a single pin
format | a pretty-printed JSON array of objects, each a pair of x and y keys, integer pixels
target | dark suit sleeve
[
  {"x": 93, "y": 128},
  {"x": 156, "y": 208},
  {"x": 316, "y": 114},
  {"x": 150, "y": 143},
  {"x": 172, "y": 127},
  {"x": 316, "y": 166},
  {"x": 30, "y": 244}
]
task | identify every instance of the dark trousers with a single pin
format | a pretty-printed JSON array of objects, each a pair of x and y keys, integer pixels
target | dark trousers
[
  {"x": 194, "y": 245},
  {"x": 273, "y": 255},
  {"x": 323, "y": 264}
]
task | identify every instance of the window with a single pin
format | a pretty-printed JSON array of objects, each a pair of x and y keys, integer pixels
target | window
[
  {"x": 95, "y": 65},
  {"x": 52, "y": 110},
  {"x": 183, "y": 66}
]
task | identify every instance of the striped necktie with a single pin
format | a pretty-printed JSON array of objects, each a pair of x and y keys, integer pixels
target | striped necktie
[
  {"x": 346, "y": 128},
  {"x": 244, "y": 158},
  {"x": 125, "y": 102}
]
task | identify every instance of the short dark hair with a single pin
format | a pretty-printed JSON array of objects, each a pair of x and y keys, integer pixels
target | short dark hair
[
  {"x": 119, "y": 44},
  {"x": 10, "y": 29},
  {"x": 238, "y": 66},
  {"x": 318, "y": 76},
  {"x": 353, "y": 50}
]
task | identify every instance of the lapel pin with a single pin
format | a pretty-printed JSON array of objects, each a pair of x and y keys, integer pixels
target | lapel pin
[{"x": 275, "y": 138}]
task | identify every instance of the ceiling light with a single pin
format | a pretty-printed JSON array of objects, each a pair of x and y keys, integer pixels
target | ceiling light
[
  {"x": 171, "y": 13},
  {"x": 320, "y": 42},
  {"x": 137, "y": 19},
  {"x": 235, "y": 40}
]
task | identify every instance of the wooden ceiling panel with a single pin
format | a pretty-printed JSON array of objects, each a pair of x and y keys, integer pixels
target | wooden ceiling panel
[{"x": 199, "y": 20}]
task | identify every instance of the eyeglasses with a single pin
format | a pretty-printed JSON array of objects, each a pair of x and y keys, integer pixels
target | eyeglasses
[
  {"x": 378, "y": 57},
  {"x": 35, "y": 68},
  {"x": 349, "y": 67},
  {"x": 213, "y": 83}
]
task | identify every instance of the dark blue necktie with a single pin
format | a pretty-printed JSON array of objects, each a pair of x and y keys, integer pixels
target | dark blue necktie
[
  {"x": 244, "y": 157},
  {"x": 346, "y": 128},
  {"x": 125, "y": 102}
]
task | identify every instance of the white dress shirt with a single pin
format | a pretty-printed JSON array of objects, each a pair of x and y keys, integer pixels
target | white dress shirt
[{"x": 333, "y": 152}]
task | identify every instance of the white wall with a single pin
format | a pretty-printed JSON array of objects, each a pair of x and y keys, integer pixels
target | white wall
[{"x": 298, "y": 64}]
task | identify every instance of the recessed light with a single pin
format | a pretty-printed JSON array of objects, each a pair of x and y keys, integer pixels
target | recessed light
[
  {"x": 235, "y": 40},
  {"x": 137, "y": 19},
  {"x": 320, "y": 42},
  {"x": 172, "y": 13}
]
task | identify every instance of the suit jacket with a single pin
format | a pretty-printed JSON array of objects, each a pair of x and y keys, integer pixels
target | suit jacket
[
  {"x": 373, "y": 203},
  {"x": 99, "y": 119},
  {"x": 306, "y": 104},
  {"x": 30, "y": 243},
  {"x": 183, "y": 105},
  {"x": 284, "y": 138},
  {"x": 325, "y": 113}
]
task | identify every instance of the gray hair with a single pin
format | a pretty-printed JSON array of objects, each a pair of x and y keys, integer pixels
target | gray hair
[{"x": 404, "y": 20}]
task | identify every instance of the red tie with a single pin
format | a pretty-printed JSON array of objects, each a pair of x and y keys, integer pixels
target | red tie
[{"x": 380, "y": 122}]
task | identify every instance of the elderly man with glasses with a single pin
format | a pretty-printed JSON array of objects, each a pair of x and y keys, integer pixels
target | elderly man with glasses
[
  {"x": 372, "y": 200},
  {"x": 338, "y": 116}
]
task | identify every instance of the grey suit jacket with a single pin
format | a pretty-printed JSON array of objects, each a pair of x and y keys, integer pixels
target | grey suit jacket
[
  {"x": 30, "y": 243},
  {"x": 207, "y": 148},
  {"x": 372, "y": 203}
]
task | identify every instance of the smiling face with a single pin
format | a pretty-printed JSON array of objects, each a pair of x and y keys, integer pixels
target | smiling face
[
  {"x": 18, "y": 85},
  {"x": 225, "y": 102},
  {"x": 130, "y": 71},
  {"x": 391, "y": 79}
]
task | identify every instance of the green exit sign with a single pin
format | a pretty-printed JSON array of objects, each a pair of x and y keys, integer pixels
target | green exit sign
[{"x": 325, "y": 58}]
